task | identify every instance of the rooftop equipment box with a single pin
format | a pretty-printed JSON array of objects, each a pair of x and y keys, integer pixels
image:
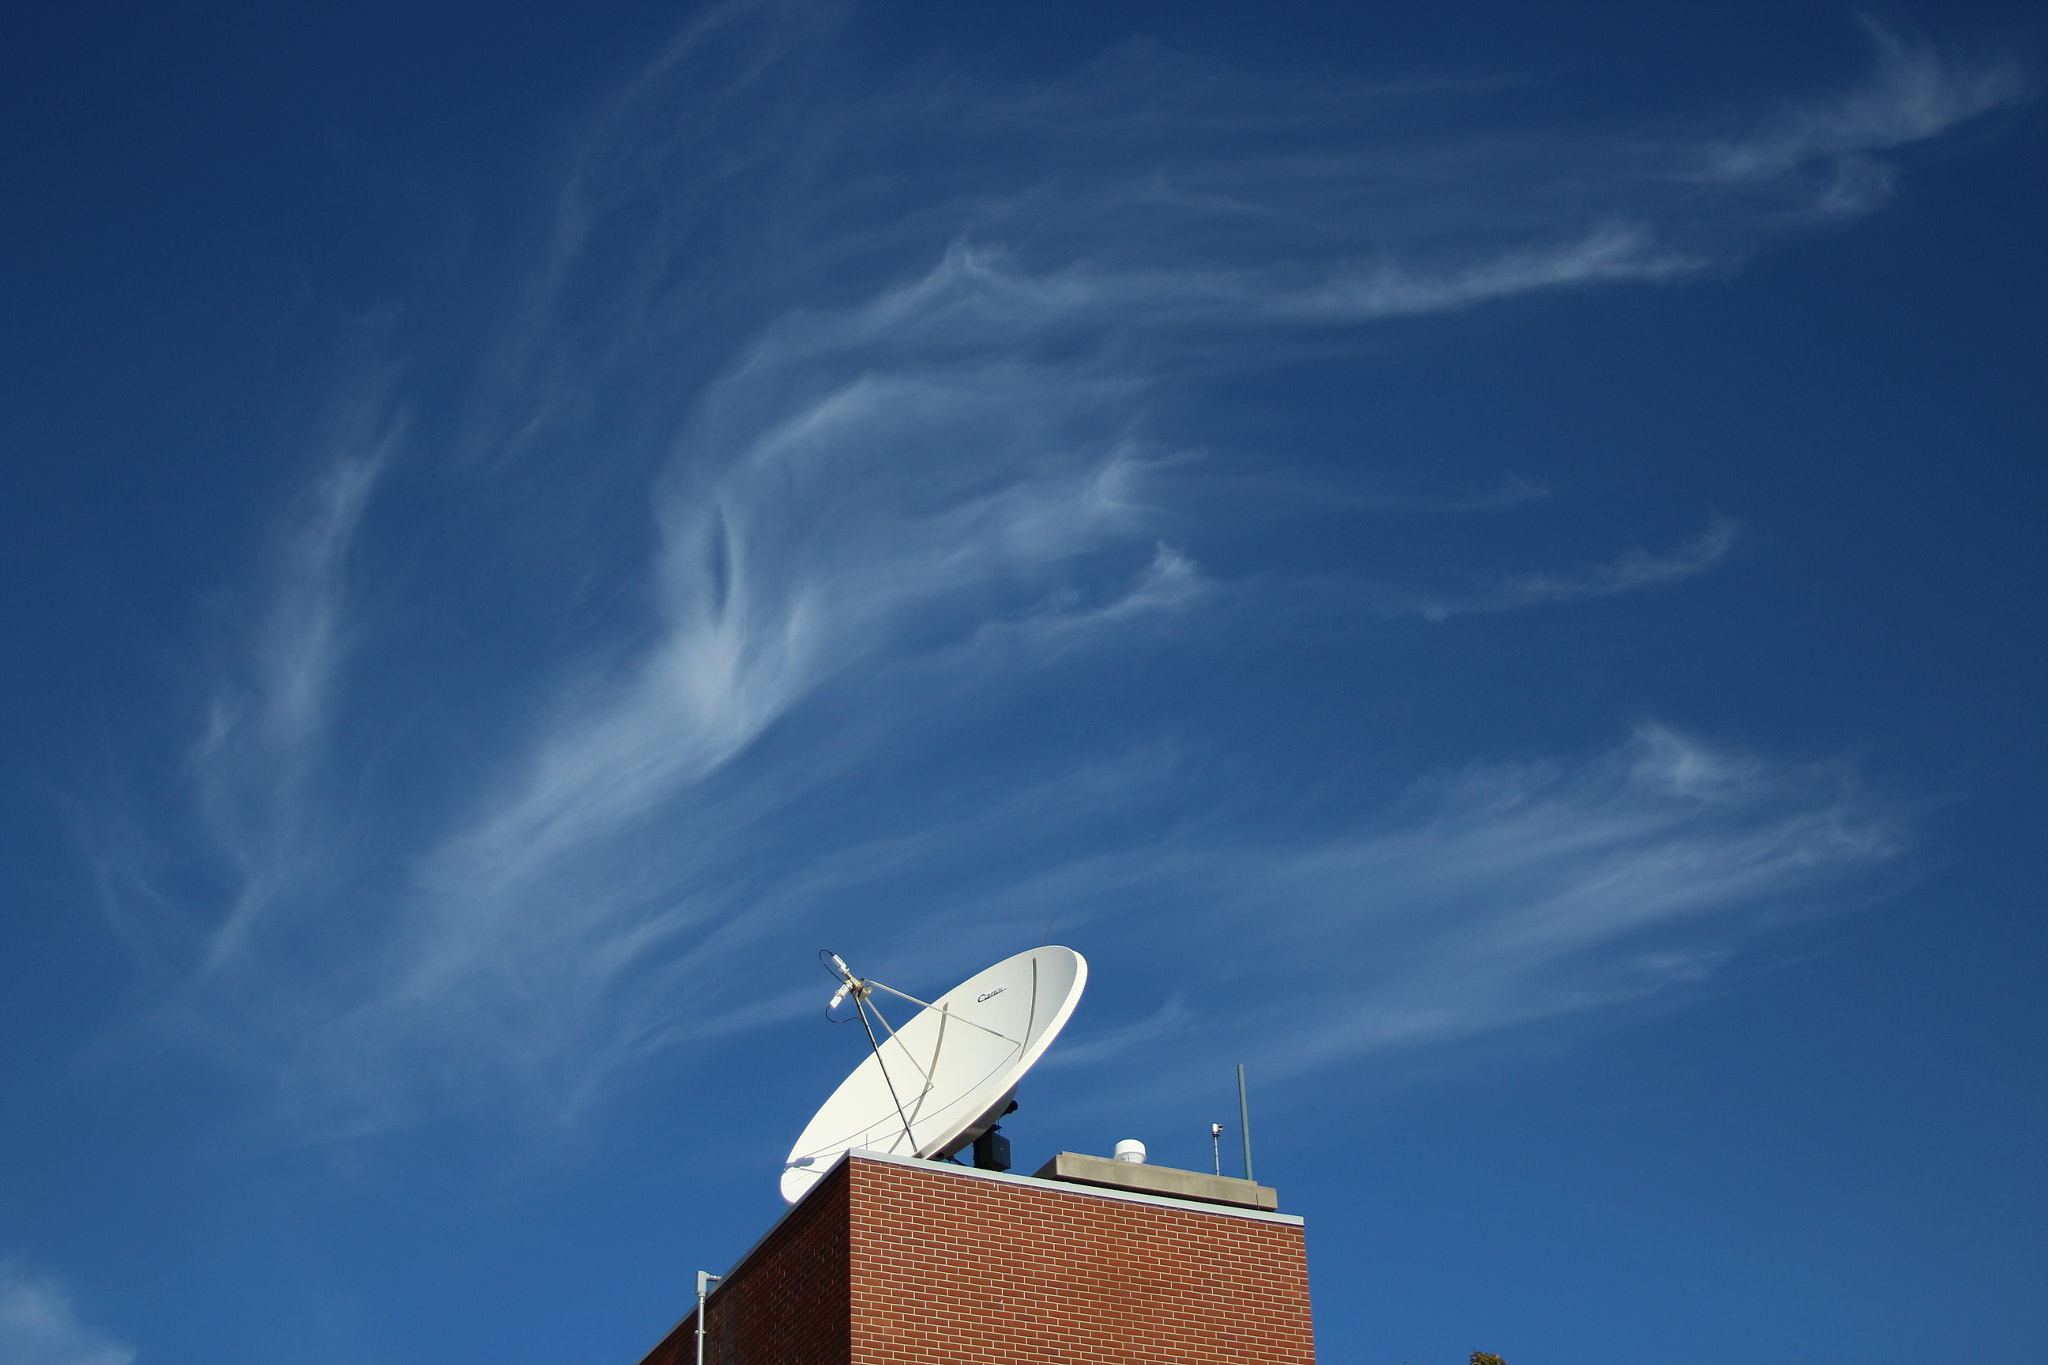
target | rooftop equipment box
[{"x": 893, "y": 1261}]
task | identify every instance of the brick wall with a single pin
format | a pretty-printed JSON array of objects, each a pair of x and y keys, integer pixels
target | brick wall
[
  {"x": 894, "y": 1263},
  {"x": 787, "y": 1301}
]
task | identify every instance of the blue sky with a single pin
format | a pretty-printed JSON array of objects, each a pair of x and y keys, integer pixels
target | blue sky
[{"x": 1479, "y": 560}]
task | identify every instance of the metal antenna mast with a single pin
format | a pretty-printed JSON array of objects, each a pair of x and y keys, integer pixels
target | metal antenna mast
[{"x": 1244, "y": 1119}]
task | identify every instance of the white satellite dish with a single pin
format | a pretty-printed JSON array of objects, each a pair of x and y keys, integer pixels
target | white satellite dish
[{"x": 940, "y": 1081}]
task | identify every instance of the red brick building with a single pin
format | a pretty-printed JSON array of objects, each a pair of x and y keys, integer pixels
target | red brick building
[{"x": 892, "y": 1261}]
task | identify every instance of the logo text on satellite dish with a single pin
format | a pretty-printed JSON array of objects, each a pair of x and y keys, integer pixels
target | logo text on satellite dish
[{"x": 990, "y": 995}]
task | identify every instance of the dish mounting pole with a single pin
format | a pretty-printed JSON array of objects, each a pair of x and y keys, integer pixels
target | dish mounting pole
[{"x": 860, "y": 1003}]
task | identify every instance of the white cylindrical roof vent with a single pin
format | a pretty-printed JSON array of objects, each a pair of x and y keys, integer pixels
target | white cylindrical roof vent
[{"x": 1130, "y": 1149}]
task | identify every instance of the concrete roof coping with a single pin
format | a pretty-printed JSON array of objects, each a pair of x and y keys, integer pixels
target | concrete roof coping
[
  {"x": 1068, "y": 1187},
  {"x": 1080, "y": 1169}
]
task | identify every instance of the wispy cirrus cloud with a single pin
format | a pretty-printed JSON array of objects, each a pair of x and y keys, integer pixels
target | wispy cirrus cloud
[
  {"x": 827, "y": 438},
  {"x": 1829, "y": 153},
  {"x": 268, "y": 728},
  {"x": 1507, "y": 893},
  {"x": 1632, "y": 571},
  {"x": 40, "y": 1325},
  {"x": 1487, "y": 898}
]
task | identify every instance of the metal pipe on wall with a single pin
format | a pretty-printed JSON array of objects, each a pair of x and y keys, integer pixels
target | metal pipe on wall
[{"x": 704, "y": 1279}]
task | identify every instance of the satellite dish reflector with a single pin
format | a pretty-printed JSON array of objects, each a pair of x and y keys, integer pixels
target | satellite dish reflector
[{"x": 941, "y": 1080}]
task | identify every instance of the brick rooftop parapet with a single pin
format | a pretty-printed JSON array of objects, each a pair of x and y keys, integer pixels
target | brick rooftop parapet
[{"x": 893, "y": 1261}]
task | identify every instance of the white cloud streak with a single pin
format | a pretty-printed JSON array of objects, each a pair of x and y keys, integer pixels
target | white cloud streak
[
  {"x": 39, "y": 1325},
  {"x": 1527, "y": 891},
  {"x": 1635, "y": 570},
  {"x": 1916, "y": 94},
  {"x": 268, "y": 729}
]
